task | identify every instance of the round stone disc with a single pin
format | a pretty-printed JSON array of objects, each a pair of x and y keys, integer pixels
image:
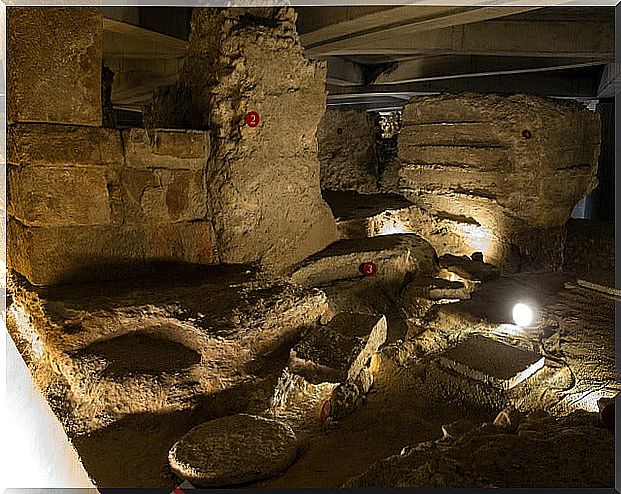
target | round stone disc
[{"x": 233, "y": 450}]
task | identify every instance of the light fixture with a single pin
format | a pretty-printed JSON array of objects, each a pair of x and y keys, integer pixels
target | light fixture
[{"x": 522, "y": 315}]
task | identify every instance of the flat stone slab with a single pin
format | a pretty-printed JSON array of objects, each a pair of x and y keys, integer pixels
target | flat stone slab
[
  {"x": 468, "y": 269},
  {"x": 484, "y": 359},
  {"x": 233, "y": 450},
  {"x": 338, "y": 351},
  {"x": 394, "y": 256},
  {"x": 436, "y": 289}
]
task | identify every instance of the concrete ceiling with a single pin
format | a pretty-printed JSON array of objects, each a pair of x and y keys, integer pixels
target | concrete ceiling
[{"x": 378, "y": 57}]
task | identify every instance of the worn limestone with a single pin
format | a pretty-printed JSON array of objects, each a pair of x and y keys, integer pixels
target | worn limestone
[
  {"x": 338, "y": 351},
  {"x": 394, "y": 256},
  {"x": 233, "y": 450},
  {"x": 157, "y": 343},
  {"x": 467, "y": 268},
  {"x": 263, "y": 191},
  {"x": 347, "y": 152},
  {"x": 64, "y": 85},
  {"x": 63, "y": 254},
  {"x": 82, "y": 200},
  {"x": 505, "y": 171},
  {"x": 436, "y": 289}
]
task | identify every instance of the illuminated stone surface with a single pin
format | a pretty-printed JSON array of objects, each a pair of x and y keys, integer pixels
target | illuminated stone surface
[
  {"x": 490, "y": 361},
  {"x": 467, "y": 163}
]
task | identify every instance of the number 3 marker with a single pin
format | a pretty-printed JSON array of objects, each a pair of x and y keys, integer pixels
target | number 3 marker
[{"x": 252, "y": 119}]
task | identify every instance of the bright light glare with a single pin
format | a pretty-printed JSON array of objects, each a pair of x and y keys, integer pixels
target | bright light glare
[
  {"x": 522, "y": 315},
  {"x": 391, "y": 228}
]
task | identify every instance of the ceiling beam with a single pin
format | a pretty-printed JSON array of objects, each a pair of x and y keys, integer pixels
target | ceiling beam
[
  {"x": 413, "y": 19},
  {"x": 583, "y": 82},
  {"x": 343, "y": 72},
  {"x": 610, "y": 84},
  {"x": 495, "y": 37},
  {"x": 455, "y": 66}
]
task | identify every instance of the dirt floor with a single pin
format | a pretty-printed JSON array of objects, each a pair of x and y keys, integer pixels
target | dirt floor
[{"x": 406, "y": 407}]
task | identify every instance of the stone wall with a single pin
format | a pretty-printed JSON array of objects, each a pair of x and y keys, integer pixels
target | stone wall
[
  {"x": 347, "y": 151},
  {"x": 87, "y": 202},
  {"x": 263, "y": 191},
  {"x": 84, "y": 201},
  {"x": 496, "y": 174},
  {"x": 54, "y": 64}
]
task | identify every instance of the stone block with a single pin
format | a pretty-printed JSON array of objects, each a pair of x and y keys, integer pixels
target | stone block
[
  {"x": 58, "y": 196},
  {"x": 166, "y": 148},
  {"x": 56, "y": 145},
  {"x": 54, "y": 66},
  {"x": 493, "y": 362},
  {"x": 338, "y": 351},
  {"x": 163, "y": 195},
  {"x": 51, "y": 255}
]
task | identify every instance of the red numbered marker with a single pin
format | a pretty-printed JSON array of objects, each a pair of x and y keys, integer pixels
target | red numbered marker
[
  {"x": 252, "y": 119},
  {"x": 369, "y": 269}
]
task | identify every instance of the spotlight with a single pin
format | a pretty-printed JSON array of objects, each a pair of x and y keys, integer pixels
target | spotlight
[{"x": 522, "y": 315}]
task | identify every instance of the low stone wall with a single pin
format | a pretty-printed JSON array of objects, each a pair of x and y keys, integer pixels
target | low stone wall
[
  {"x": 347, "y": 151},
  {"x": 84, "y": 201},
  {"x": 497, "y": 174}
]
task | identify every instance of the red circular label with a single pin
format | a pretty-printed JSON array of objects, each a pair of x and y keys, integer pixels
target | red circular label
[
  {"x": 369, "y": 269},
  {"x": 252, "y": 119}
]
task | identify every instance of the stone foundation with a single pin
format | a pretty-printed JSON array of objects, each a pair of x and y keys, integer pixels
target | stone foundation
[
  {"x": 87, "y": 202},
  {"x": 496, "y": 174}
]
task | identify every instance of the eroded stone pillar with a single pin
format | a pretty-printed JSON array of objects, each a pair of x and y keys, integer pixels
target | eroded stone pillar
[
  {"x": 54, "y": 64},
  {"x": 498, "y": 174},
  {"x": 263, "y": 188},
  {"x": 347, "y": 151}
]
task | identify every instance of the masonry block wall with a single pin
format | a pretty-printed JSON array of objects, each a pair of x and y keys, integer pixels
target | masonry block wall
[
  {"x": 498, "y": 174},
  {"x": 86, "y": 202}
]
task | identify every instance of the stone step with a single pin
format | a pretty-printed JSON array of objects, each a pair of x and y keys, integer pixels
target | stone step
[
  {"x": 394, "y": 256},
  {"x": 339, "y": 351}
]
